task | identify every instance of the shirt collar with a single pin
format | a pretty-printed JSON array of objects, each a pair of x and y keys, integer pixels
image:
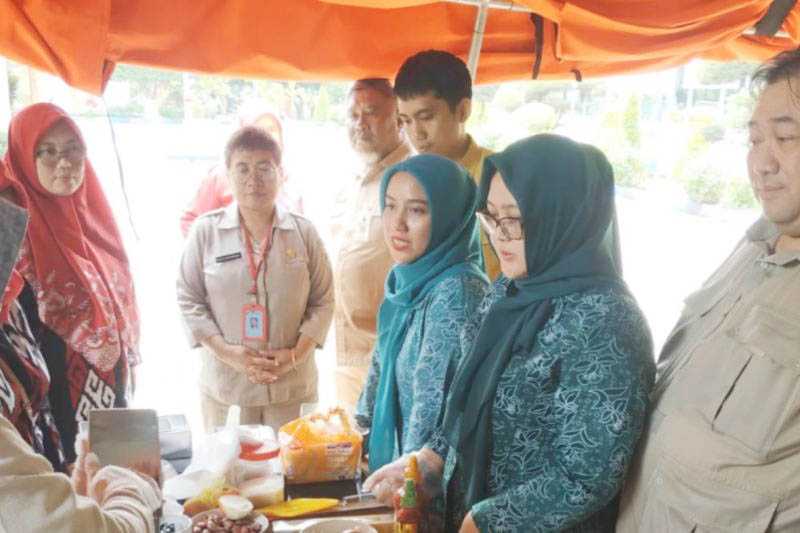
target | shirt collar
[
  {"x": 764, "y": 234},
  {"x": 283, "y": 219},
  {"x": 372, "y": 172},
  {"x": 230, "y": 217},
  {"x": 473, "y": 154}
]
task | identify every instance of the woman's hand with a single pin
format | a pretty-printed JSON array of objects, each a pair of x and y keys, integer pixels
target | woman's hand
[
  {"x": 277, "y": 363},
  {"x": 387, "y": 480},
  {"x": 469, "y": 525},
  {"x": 238, "y": 357},
  {"x": 266, "y": 370},
  {"x": 85, "y": 467},
  {"x": 112, "y": 483}
]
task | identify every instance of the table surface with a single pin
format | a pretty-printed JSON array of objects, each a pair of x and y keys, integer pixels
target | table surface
[
  {"x": 382, "y": 522},
  {"x": 378, "y": 515}
]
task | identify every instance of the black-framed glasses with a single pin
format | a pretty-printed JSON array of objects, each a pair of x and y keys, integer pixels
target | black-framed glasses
[
  {"x": 509, "y": 227},
  {"x": 50, "y": 155},
  {"x": 265, "y": 172}
]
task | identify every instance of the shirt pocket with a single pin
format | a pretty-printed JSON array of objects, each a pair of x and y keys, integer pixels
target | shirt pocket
[
  {"x": 696, "y": 307},
  {"x": 288, "y": 285},
  {"x": 681, "y": 499},
  {"x": 763, "y": 392},
  {"x": 699, "y": 304},
  {"x": 223, "y": 276}
]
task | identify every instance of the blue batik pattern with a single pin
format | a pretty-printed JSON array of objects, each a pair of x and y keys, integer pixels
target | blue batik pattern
[
  {"x": 441, "y": 332},
  {"x": 565, "y": 421}
]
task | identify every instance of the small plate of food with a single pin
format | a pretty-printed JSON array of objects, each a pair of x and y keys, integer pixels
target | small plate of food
[{"x": 235, "y": 515}]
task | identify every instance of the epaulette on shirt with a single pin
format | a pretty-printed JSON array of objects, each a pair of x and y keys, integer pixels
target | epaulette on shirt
[{"x": 213, "y": 212}]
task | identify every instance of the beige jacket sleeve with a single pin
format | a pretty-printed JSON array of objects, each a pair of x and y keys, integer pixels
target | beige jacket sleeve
[
  {"x": 35, "y": 499},
  {"x": 319, "y": 309},
  {"x": 191, "y": 289}
]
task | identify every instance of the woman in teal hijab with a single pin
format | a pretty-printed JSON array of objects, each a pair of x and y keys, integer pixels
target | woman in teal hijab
[
  {"x": 429, "y": 317},
  {"x": 545, "y": 411}
]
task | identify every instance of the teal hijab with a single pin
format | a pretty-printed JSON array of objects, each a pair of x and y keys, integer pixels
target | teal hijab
[
  {"x": 565, "y": 193},
  {"x": 453, "y": 250}
]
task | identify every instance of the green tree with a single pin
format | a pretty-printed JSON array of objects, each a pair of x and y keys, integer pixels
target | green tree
[
  {"x": 630, "y": 122},
  {"x": 720, "y": 73},
  {"x": 208, "y": 96},
  {"x": 322, "y": 109},
  {"x": 162, "y": 87}
]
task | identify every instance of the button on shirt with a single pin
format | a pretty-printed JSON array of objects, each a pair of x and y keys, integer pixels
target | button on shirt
[
  {"x": 215, "y": 283},
  {"x": 722, "y": 450},
  {"x": 362, "y": 264}
]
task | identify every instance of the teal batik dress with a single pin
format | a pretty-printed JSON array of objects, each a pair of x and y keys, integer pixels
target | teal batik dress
[
  {"x": 440, "y": 333},
  {"x": 565, "y": 421}
]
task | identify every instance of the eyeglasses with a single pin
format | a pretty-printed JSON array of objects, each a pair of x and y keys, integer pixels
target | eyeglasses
[
  {"x": 509, "y": 227},
  {"x": 262, "y": 172},
  {"x": 50, "y": 156}
]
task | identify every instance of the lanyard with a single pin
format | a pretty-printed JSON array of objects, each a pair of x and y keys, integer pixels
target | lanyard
[{"x": 255, "y": 268}]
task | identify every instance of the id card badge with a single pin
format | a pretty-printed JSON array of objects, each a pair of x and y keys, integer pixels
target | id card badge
[{"x": 255, "y": 323}]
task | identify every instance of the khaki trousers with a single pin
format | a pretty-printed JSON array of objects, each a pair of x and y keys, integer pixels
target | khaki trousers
[
  {"x": 349, "y": 383},
  {"x": 276, "y": 415}
]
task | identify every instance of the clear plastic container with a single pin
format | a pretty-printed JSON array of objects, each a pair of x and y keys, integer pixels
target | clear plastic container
[
  {"x": 259, "y": 456},
  {"x": 245, "y": 470}
]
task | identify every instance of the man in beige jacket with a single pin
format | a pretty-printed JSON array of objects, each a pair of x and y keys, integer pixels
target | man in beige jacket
[
  {"x": 722, "y": 450},
  {"x": 363, "y": 260}
]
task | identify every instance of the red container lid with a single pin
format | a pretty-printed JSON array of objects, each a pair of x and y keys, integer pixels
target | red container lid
[{"x": 259, "y": 452}]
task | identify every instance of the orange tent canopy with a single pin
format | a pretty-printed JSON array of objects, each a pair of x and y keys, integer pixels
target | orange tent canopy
[{"x": 82, "y": 40}]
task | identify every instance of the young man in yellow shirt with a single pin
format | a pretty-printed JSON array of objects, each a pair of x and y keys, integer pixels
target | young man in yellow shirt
[{"x": 434, "y": 98}]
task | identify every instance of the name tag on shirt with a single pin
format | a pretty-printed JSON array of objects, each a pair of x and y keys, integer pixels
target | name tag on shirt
[{"x": 228, "y": 257}]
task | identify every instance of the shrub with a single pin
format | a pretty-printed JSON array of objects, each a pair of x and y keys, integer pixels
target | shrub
[
  {"x": 132, "y": 109},
  {"x": 704, "y": 186},
  {"x": 630, "y": 121},
  {"x": 713, "y": 133},
  {"x": 172, "y": 107},
  {"x": 739, "y": 194},
  {"x": 629, "y": 171}
]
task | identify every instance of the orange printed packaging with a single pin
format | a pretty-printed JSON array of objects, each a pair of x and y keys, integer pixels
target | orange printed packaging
[{"x": 320, "y": 447}]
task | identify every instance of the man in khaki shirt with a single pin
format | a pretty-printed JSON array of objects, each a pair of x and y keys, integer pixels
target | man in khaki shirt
[
  {"x": 434, "y": 97},
  {"x": 363, "y": 261},
  {"x": 722, "y": 449}
]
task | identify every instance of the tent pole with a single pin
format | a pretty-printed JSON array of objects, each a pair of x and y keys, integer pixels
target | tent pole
[
  {"x": 477, "y": 38},
  {"x": 480, "y": 24},
  {"x": 494, "y": 4}
]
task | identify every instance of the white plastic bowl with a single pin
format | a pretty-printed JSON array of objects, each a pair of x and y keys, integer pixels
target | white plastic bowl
[{"x": 337, "y": 525}]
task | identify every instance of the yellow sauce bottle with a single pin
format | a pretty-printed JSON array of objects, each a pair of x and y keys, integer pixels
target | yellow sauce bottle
[{"x": 407, "y": 517}]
